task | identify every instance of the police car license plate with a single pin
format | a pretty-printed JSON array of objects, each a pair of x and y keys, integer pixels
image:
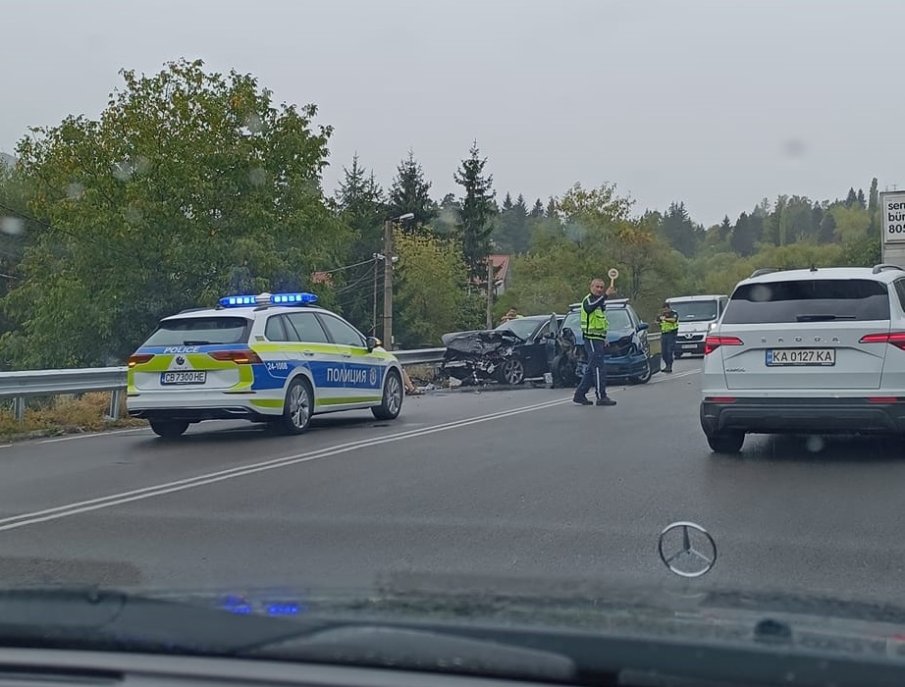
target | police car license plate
[
  {"x": 779, "y": 357},
  {"x": 192, "y": 377}
]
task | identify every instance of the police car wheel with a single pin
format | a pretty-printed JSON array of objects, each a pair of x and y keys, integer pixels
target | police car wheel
[
  {"x": 297, "y": 407},
  {"x": 392, "y": 398},
  {"x": 168, "y": 429}
]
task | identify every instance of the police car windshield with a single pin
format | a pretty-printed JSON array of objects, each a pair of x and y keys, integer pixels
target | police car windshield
[
  {"x": 200, "y": 331},
  {"x": 695, "y": 310}
]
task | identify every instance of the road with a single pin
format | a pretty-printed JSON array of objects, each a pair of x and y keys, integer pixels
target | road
[{"x": 487, "y": 485}]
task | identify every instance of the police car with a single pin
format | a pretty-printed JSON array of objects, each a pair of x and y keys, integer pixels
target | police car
[{"x": 266, "y": 358}]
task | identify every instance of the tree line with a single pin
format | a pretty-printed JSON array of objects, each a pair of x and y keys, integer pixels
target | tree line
[{"x": 193, "y": 184}]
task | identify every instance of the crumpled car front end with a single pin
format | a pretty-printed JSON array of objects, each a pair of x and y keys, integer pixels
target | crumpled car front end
[{"x": 477, "y": 356}]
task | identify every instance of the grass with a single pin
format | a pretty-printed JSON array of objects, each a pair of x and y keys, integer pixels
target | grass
[{"x": 63, "y": 415}]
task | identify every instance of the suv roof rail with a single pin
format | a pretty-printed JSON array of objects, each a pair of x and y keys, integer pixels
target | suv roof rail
[
  {"x": 763, "y": 270},
  {"x": 885, "y": 266}
]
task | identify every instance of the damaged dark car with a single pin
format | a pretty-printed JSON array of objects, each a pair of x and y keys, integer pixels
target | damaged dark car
[
  {"x": 629, "y": 355},
  {"x": 512, "y": 353}
]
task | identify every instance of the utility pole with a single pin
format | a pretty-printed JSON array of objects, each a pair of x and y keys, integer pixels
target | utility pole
[
  {"x": 388, "y": 259},
  {"x": 489, "y": 292},
  {"x": 376, "y": 257},
  {"x": 387, "y": 285}
]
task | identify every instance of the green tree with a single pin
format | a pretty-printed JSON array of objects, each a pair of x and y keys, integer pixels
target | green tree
[
  {"x": 538, "y": 209},
  {"x": 186, "y": 176},
  {"x": 431, "y": 298},
  {"x": 861, "y": 202},
  {"x": 410, "y": 192},
  {"x": 511, "y": 234},
  {"x": 743, "y": 240},
  {"x": 873, "y": 208},
  {"x": 725, "y": 228},
  {"x": 477, "y": 212},
  {"x": 851, "y": 200},
  {"x": 362, "y": 209},
  {"x": 679, "y": 231}
]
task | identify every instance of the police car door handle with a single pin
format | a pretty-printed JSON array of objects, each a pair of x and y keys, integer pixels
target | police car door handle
[
  {"x": 308, "y": 353},
  {"x": 346, "y": 355}
]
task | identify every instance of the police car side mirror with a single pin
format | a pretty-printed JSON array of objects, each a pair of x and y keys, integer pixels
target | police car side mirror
[
  {"x": 373, "y": 342},
  {"x": 643, "y": 326}
]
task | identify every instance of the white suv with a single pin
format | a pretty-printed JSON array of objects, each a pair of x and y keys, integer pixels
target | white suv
[{"x": 807, "y": 351}]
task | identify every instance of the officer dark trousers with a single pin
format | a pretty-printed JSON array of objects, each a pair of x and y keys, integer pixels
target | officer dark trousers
[
  {"x": 595, "y": 374},
  {"x": 668, "y": 347}
]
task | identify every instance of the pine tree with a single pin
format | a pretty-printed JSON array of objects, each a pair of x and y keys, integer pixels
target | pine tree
[
  {"x": 538, "y": 209},
  {"x": 742, "y": 238},
  {"x": 851, "y": 199},
  {"x": 862, "y": 203},
  {"x": 725, "y": 228},
  {"x": 827, "y": 232},
  {"x": 552, "y": 212},
  {"x": 411, "y": 193},
  {"x": 477, "y": 211}
]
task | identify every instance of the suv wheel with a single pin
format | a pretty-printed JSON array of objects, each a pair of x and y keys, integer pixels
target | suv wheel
[{"x": 727, "y": 442}]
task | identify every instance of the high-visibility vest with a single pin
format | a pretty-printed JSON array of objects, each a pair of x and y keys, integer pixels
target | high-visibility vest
[
  {"x": 666, "y": 326},
  {"x": 595, "y": 324}
]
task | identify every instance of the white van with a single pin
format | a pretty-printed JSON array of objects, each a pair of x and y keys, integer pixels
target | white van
[{"x": 696, "y": 315}]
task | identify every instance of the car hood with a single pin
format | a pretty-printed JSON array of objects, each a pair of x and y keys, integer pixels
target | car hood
[{"x": 480, "y": 342}]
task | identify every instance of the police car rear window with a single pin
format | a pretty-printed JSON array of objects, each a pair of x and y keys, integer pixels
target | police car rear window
[
  {"x": 811, "y": 300},
  {"x": 200, "y": 331}
]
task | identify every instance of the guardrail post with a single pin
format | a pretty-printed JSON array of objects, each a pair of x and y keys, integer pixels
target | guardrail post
[
  {"x": 19, "y": 408},
  {"x": 116, "y": 400}
]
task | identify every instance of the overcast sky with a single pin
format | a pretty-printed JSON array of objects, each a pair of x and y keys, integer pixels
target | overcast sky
[{"x": 717, "y": 104}]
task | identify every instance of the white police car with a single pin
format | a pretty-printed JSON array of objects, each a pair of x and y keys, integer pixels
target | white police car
[{"x": 266, "y": 358}]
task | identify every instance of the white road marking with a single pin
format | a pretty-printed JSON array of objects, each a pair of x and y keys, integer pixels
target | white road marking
[
  {"x": 25, "y": 519},
  {"x": 77, "y": 508}
]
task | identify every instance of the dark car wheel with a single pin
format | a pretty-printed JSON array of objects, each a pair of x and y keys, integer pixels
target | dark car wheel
[
  {"x": 512, "y": 372},
  {"x": 726, "y": 442},
  {"x": 645, "y": 376}
]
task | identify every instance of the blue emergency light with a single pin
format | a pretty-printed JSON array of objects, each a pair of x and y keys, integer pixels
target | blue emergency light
[
  {"x": 293, "y": 298},
  {"x": 268, "y": 299},
  {"x": 237, "y": 301}
]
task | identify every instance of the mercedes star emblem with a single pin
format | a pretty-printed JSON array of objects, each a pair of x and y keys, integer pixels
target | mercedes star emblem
[{"x": 687, "y": 549}]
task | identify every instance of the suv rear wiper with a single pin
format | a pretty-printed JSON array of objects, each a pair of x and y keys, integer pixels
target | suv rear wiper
[{"x": 822, "y": 318}]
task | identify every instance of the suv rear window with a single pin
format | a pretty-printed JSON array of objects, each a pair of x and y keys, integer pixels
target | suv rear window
[
  {"x": 200, "y": 331},
  {"x": 811, "y": 300}
]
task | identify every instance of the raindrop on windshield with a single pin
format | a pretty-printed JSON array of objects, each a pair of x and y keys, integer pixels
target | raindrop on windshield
[
  {"x": 257, "y": 176},
  {"x": 14, "y": 226},
  {"x": 815, "y": 444},
  {"x": 75, "y": 191}
]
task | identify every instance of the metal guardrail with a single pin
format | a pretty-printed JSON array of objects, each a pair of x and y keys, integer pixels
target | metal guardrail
[{"x": 20, "y": 385}]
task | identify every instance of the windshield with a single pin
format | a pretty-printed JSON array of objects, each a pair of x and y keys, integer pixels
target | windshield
[
  {"x": 199, "y": 331},
  {"x": 522, "y": 327},
  {"x": 694, "y": 311},
  {"x": 286, "y": 317}
]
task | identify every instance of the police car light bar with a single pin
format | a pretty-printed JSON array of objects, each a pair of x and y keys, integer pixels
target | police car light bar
[
  {"x": 293, "y": 298},
  {"x": 268, "y": 299}
]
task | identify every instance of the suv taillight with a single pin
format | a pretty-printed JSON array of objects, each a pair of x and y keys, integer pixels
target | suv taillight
[
  {"x": 243, "y": 357},
  {"x": 897, "y": 339},
  {"x": 713, "y": 342},
  {"x": 139, "y": 359}
]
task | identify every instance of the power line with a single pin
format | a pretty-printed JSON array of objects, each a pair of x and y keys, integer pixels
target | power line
[{"x": 348, "y": 267}]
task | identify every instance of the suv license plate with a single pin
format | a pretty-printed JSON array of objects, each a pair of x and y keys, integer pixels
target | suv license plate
[
  {"x": 167, "y": 378},
  {"x": 821, "y": 357}
]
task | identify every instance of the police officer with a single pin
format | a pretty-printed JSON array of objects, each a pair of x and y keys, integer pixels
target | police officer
[
  {"x": 593, "y": 328},
  {"x": 669, "y": 328}
]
